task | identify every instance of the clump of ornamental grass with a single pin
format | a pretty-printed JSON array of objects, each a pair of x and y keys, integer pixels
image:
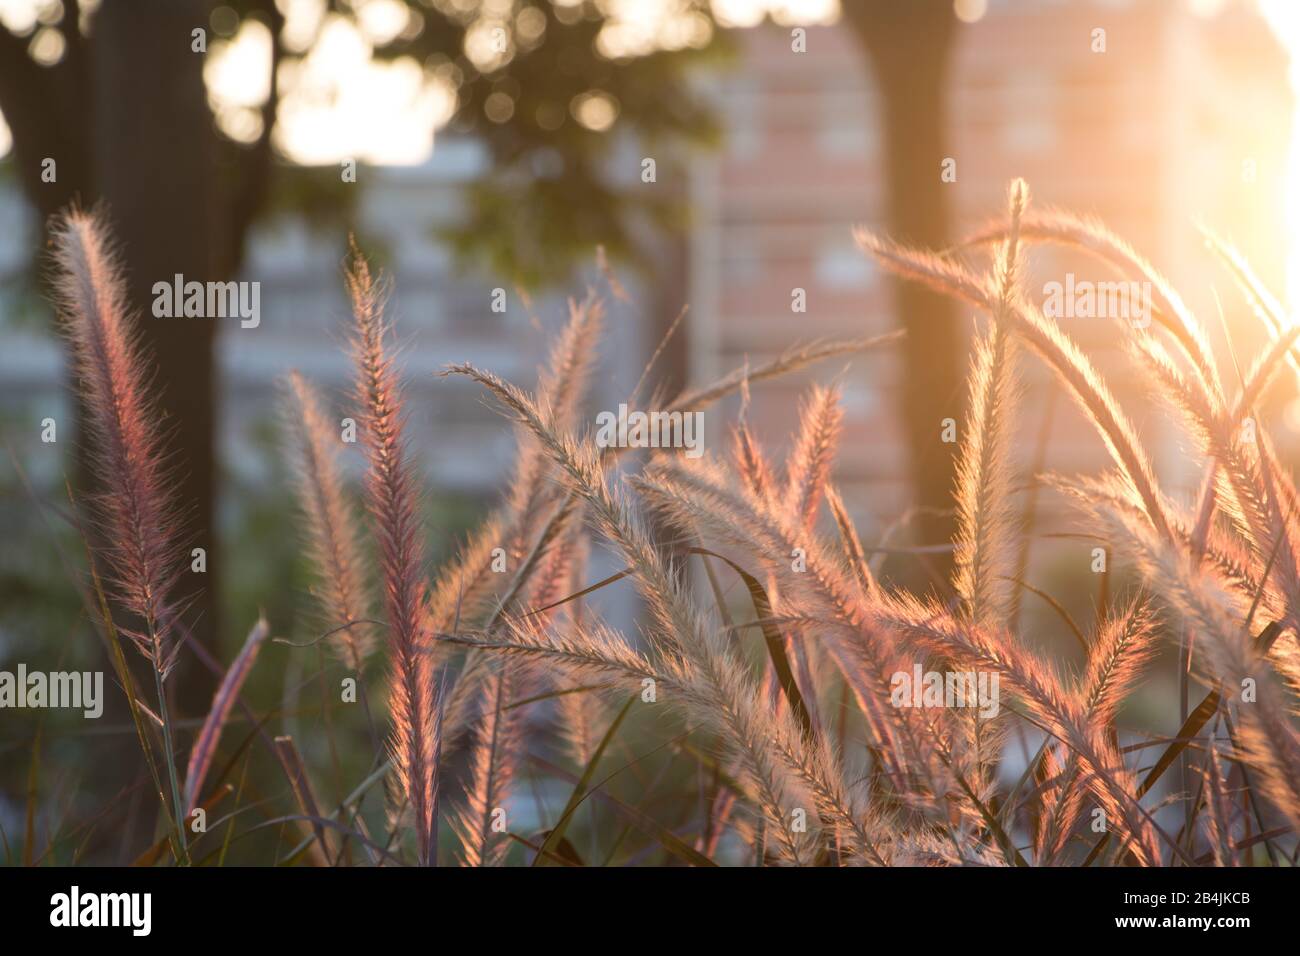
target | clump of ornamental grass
[
  {"x": 1223, "y": 568},
  {"x": 500, "y": 674}
]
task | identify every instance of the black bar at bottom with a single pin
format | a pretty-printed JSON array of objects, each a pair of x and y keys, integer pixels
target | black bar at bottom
[{"x": 567, "y": 907}]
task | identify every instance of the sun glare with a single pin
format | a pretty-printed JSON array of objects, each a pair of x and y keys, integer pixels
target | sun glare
[
  {"x": 341, "y": 104},
  {"x": 1283, "y": 17}
]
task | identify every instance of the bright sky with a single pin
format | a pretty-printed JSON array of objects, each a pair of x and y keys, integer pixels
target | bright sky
[{"x": 338, "y": 104}]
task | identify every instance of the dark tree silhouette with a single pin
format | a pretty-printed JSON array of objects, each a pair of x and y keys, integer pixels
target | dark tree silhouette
[
  {"x": 908, "y": 46},
  {"x": 125, "y": 117}
]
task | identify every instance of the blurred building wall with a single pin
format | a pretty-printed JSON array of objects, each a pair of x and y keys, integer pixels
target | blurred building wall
[{"x": 442, "y": 313}]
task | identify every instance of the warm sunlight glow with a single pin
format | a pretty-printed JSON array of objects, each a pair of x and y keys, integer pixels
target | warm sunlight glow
[
  {"x": 340, "y": 104},
  {"x": 1207, "y": 8},
  {"x": 302, "y": 21},
  {"x": 383, "y": 20},
  {"x": 238, "y": 76},
  {"x": 488, "y": 44},
  {"x": 18, "y": 16},
  {"x": 807, "y": 12},
  {"x": 595, "y": 110},
  {"x": 239, "y": 70},
  {"x": 1284, "y": 18},
  {"x": 748, "y": 13},
  {"x": 635, "y": 28},
  {"x": 970, "y": 11},
  {"x": 337, "y": 102}
]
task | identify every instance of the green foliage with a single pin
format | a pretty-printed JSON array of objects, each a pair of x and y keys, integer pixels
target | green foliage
[{"x": 558, "y": 188}]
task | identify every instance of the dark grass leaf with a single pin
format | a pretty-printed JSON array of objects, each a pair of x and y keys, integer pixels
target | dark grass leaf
[
  {"x": 762, "y": 608},
  {"x": 1195, "y": 721},
  {"x": 296, "y": 772},
  {"x": 1057, "y": 607},
  {"x": 1268, "y": 637},
  {"x": 642, "y": 821},
  {"x": 559, "y": 856},
  {"x": 775, "y": 643},
  {"x": 152, "y": 855},
  {"x": 128, "y": 687},
  {"x": 564, "y": 851},
  {"x": 1247, "y": 842},
  {"x": 605, "y": 582},
  {"x": 556, "y": 834},
  {"x": 205, "y": 744},
  {"x": 33, "y": 775},
  {"x": 550, "y": 694},
  {"x": 326, "y": 823},
  {"x": 1005, "y": 844}
]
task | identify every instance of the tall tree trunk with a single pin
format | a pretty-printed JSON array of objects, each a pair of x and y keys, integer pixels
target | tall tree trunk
[
  {"x": 908, "y": 45},
  {"x": 154, "y": 167}
]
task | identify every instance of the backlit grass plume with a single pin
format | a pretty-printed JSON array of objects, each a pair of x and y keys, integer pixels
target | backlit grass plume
[
  {"x": 137, "y": 535},
  {"x": 333, "y": 539},
  {"x": 139, "y": 527},
  {"x": 393, "y": 500}
]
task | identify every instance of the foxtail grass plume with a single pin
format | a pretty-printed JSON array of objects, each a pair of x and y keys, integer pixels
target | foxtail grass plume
[{"x": 138, "y": 525}]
